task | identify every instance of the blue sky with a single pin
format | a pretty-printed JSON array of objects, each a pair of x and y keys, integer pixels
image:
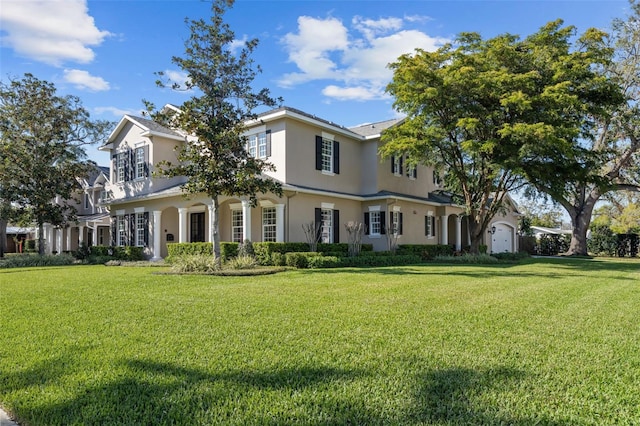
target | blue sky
[{"x": 326, "y": 58}]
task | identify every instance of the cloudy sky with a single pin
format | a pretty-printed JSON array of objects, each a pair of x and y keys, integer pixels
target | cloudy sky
[{"x": 327, "y": 58}]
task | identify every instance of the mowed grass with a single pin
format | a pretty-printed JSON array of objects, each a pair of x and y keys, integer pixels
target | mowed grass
[{"x": 553, "y": 342}]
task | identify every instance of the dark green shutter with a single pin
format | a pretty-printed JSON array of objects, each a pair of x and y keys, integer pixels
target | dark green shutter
[
  {"x": 336, "y": 226},
  {"x": 336, "y": 157},
  {"x": 318, "y": 152},
  {"x": 268, "y": 136},
  {"x": 366, "y": 223}
]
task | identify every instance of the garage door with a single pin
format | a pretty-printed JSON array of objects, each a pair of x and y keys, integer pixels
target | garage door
[{"x": 502, "y": 240}]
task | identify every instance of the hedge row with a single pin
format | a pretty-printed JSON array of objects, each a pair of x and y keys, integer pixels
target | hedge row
[
  {"x": 314, "y": 260},
  {"x": 425, "y": 251},
  {"x": 265, "y": 253},
  {"x": 128, "y": 253}
]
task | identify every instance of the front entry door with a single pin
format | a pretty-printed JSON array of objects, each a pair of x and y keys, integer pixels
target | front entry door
[{"x": 197, "y": 227}]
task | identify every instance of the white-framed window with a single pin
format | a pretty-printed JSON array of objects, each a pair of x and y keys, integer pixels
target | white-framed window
[
  {"x": 375, "y": 223},
  {"x": 430, "y": 226},
  {"x": 412, "y": 171},
  {"x": 86, "y": 201},
  {"x": 140, "y": 229},
  {"x": 327, "y": 155},
  {"x": 252, "y": 145},
  {"x": 120, "y": 167},
  {"x": 140, "y": 163},
  {"x": 262, "y": 145},
  {"x": 122, "y": 231},
  {"x": 437, "y": 181},
  {"x": 269, "y": 224},
  {"x": 326, "y": 228},
  {"x": 237, "y": 229},
  {"x": 396, "y": 162}
]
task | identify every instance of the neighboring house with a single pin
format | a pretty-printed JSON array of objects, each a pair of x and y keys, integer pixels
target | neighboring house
[
  {"x": 330, "y": 174},
  {"x": 539, "y": 231},
  {"x": 92, "y": 224},
  {"x": 16, "y": 236}
]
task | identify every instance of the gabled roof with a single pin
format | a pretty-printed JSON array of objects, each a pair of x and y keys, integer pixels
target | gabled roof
[
  {"x": 149, "y": 127},
  {"x": 373, "y": 130}
]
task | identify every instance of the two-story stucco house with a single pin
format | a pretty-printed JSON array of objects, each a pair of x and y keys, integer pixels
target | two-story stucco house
[
  {"x": 330, "y": 175},
  {"x": 92, "y": 225}
]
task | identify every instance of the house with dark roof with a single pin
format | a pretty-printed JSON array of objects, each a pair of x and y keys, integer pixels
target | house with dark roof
[{"x": 330, "y": 174}]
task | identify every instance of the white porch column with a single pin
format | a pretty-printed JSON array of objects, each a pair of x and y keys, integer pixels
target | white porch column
[
  {"x": 444, "y": 227},
  {"x": 80, "y": 235},
  {"x": 459, "y": 233},
  {"x": 279, "y": 223},
  {"x": 69, "y": 229},
  {"x": 182, "y": 220},
  {"x": 212, "y": 230},
  {"x": 157, "y": 234},
  {"x": 246, "y": 220},
  {"x": 95, "y": 234},
  {"x": 59, "y": 238}
]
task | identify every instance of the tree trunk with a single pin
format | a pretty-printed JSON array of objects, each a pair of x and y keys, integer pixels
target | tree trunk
[
  {"x": 580, "y": 221},
  {"x": 216, "y": 231},
  {"x": 40, "y": 238},
  {"x": 3, "y": 237}
]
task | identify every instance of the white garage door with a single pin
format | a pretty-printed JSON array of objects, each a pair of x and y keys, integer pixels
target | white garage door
[{"x": 502, "y": 240}]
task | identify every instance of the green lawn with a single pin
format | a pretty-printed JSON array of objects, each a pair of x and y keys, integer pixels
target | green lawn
[{"x": 553, "y": 342}]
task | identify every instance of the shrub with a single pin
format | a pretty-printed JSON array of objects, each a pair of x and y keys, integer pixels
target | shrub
[
  {"x": 511, "y": 256},
  {"x": 246, "y": 249},
  {"x": 426, "y": 251},
  {"x": 468, "y": 258},
  {"x": 203, "y": 263},
  {"x": 602, "y": 241},
  {"x": 28, "y": 260},
  {"x": 101, "y": 251},
  {"x": 242, "y": 261},
  {"x": 381, "y": 259},
  {"x": 317, "y": 262},
  {"x": 300, "y": 260},
  {"x": 30, "y": 246},
  {"x": 228, "y": 250},
  {"x": 83, "y": 251}
]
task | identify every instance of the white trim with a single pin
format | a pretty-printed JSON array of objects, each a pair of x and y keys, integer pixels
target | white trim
[
  {"x": 327, "y": 206},
  {"x": 266, "y": 203},
  {"x": 328, "y": 136},
  {"x": 196, "y": 209},
  {"x": 235, "y": 206},
  {"x": 396, "y": 208},
  {"x": 374, "y": 208},
  {"x": 119, "y": 212},
  {"x": 138, "y": 210}
]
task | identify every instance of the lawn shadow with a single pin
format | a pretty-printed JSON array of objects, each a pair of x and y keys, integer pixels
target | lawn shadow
[
  {"x": 155, "y": 393},
  {"x": 450, "y": 397}
]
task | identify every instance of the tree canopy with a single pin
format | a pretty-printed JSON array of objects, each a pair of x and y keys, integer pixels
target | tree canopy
[
  {"x": 493, "y": 112},
  {"x": 42, "y": 142},
  {"x": 215, "y": 159}
]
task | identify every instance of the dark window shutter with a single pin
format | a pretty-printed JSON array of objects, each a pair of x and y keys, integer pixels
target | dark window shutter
[
  {"x": 366, "y": 223},
  {"x": 427, "y": 219},
  {"x": 383, "y": 225},
  {"x": 114, "y": 168},
  {"x": 400, "y": 224},
  {"x": 318, "y": 222},
  {"x": 415, "y": 172},
  {"x": 433, "y": 226},
  {"x": 146, "y": 161},
  {"x": 146, "y": 229},
  {"x": 268, "y": 136},
  {"x": 114, "y": 229},
  {"x": 127, "y": 230},
  {"x": 401, "y": 164},
  {"x": 336, "y": 226},
  {"x": 393, "y": 164},
  {"x": 336, "y": 157},
  {"x": 318, "y": 152}
]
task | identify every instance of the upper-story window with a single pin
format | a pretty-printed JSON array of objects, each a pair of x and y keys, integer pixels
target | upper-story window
[
  {"x": 412, "y": 171},
  {"x": 259, "y": 144},
  {"x": 437, "y": 181},
  {"x": 396, "y": 165},
  {"x": 327, "y": 155},
  {"x": 121, "y": 161},
  {"x": 86, "y": 200},
  {"x": 140, "y": 163}
]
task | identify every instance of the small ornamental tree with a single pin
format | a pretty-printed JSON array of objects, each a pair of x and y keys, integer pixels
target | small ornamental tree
[
  {"x": 214, "y": 159},
  {"x": 42, "y": 140}
]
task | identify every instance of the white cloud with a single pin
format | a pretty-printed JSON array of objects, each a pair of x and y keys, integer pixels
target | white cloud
[
  {"x": 85, "y": 81},
  {"x": 178, "y": 77},
  {"x": 357, "y": 58},
  {"x": 50, "y": 31},
  {"x": 116, "y": 112}
]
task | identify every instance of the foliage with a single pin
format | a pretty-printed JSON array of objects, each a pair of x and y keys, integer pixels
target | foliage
[
  {"x": 511, "y": 257},
  {"x": 429, "y": 344},
  {"x": 246, "y": 249},
  {"x": 627, "y": 245},
  {"x": 602, "y": 240},
  {"x": 613, "y": 135},
  {"x": 468, "y": 258},
  {"x": 355, "y": 230},
  {"x": 228, "y": 250},
  {"x": 42, "y": 139},
  {"x": 299, "y": 259},
  {"x": 29, "y": 260},
  {"x": 426, "y": 251},
  {"x": 200, "y": 263},
  {"x": 242, "y": 261},
  {"x": 553, "y": 244},
  {"x": 215, "y": 159},
  {"x": 312, "y": 234},
  {"x": 490, "y": 112},
  {"x": 377, "y": 259}
]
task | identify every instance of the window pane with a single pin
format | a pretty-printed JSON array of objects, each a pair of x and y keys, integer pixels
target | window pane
[
  {"x": 253, "y": 141},
  {"x": 139, "y": 163},
  {"x": 374, "y": 222},
  {"x": 140, "y": 231},
  {"x": 327, "y": 155},
  {"x": 269, "y": 224},
  {"x": 262, "y": 145},
  {"x": 326, "y": 231},
  {"x": 236, "y": 226}
]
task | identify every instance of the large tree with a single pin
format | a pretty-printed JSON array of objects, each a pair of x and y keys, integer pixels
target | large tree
[
  {"x": 612, "y": 138},
  {"x": 42, "y": 142},
  {"x": 480, "y": 109},
  {"x": 214, "y": 159}
]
